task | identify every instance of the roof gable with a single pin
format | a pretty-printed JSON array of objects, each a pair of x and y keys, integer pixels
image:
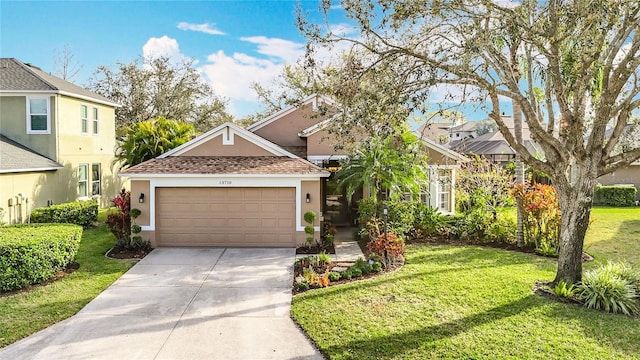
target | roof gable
[
  {"x": 313, "y": 99},
  {"x": 16, "y": 76},
  {"x": 229, "y": 134}
]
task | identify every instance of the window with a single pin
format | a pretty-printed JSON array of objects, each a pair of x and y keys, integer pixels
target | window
[
  {"x": 444, "y": 189},
  {"x": 38, "y": 115},
  {"x": 96, "y": 187},
  {"x": 83, "y": 117},
  {"x": 95, "y": 121},
  {"x": 83, "y": 180}
]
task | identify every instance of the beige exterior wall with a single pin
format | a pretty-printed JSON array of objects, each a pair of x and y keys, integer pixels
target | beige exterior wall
[
  {"x": 13, "y": 124},
  {"x": 322, "y": 143},
  {"x": 141, "y": 187},
  {"x": 627, "y": 176},
  {"x": 67, "y": 145},
  {"x": 284, "y": 131},
  {"x": 315, "y": 204},
  {"x": 215, "y": 147}
]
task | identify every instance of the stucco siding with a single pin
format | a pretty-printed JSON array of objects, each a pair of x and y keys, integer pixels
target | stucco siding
[
  {"x": 215, "y": 147},
  {"x": 284, "y": 131},
  {"x": 13, "y": 124},
  {"x": 141, "y": 187},
  {"x": 322, "y": 143}
]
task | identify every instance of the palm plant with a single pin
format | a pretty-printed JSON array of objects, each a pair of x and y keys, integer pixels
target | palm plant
[
  {"x": 395, "y": 164},
  {"x": 146, "y": 140}
]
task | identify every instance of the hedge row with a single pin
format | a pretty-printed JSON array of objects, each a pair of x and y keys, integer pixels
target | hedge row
[
  {"x": 83, "y": 213},
  {"x": 32, "y": 254},
  {"x": 615, "y": 195}
]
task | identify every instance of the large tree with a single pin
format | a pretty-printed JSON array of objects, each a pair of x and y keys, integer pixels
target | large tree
[
  {"x": 159, "y": 87},
  {"x": 577, "y": 82}
]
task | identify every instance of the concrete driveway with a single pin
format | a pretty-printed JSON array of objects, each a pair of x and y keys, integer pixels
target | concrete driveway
[{"x": 184, "y": 303}]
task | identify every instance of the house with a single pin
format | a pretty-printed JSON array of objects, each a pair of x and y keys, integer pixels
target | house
[
  {"x": 251, "y": 187},
  {"x": 57, "y": 142}
]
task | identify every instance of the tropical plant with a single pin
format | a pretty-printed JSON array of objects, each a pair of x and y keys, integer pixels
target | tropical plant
[
  {"x": 563, "y": 290},
  {"x": 388, "y": 247},
  {"x": 609, "y": 289},
  {"x": 119, "y": 220},
  {"x": 148, "y": 139},
  {"x": 541, "y": 218},
  {"x": 393, "y": 164}
]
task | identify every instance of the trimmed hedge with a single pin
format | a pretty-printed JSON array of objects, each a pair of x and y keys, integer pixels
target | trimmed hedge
[
  {"x": 32, "y": 254},
  {"x": 83, "y": 213},
  {"x": 615, "y": 195}
]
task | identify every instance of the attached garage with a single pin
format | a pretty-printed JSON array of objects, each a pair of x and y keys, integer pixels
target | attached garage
[
  {"x": 201, "y": 194},
  {"x": 238, "y": 217}
]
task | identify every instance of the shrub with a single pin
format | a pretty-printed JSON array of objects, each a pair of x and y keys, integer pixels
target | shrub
[
  {"x": 615, "y": 195},
  {"x": 389, "y": 249},
  {"x": 541, "y": 216},
  {"x": 83, "y": 213},
  {"x": 334, "y": 276},
  {"x": 427, "y": 220},
  {"x": 611, "y": 288},
  {"x": 324, "y": 258},
  {"x": 310, "y": 218},
  {"x": 376, "y": 266},
  {"x": 401, "y": 216},
  {"x": 364, "y": 266},
  {"x": 502, "y": 230},
  {"x": 367, "y": 209},
  {"x": 356, "y": 272},
  {"x": 562, "y": 290},
  {"x": 347, "y": 274},
  {"x": 119, "y": 221},
  {"x": 31, "y": 254}
]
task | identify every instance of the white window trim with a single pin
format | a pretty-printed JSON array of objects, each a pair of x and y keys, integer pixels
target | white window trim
[
  {"x": 86, "y": 181},
  {"x": 94, "y": 180},
  {"x": 28, "y": 101},
  {"x": 87, "y": 119},
  {"x": 95, "y": 123}
]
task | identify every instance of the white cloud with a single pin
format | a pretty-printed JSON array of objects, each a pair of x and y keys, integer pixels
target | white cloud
[
  {"x": 287, "y": 51},
  {"x": 163, "y": 46},
  {"x": 203, "y": 28}
]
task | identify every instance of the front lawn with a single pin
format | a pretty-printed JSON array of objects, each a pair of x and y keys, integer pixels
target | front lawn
[
  {"x": 28, "y": 312},
  {"x": 614, "y": 234},
  {"x": 460, "y": 302}
]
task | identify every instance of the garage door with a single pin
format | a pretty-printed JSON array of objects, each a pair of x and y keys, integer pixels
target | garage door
[{"x": 225, "y": 217}]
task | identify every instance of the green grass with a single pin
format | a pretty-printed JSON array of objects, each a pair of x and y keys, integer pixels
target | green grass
[
  {"x": 474, "y": 303},
  {"x": 25, "y": 313},
  {"x": 614, "y": 234}
]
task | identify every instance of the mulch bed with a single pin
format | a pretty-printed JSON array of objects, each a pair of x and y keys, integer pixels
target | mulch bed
[
  {"x": 118, "y": 252},
  {"x": 315, "y": 249},
  {"x": 59, "y": 275}
]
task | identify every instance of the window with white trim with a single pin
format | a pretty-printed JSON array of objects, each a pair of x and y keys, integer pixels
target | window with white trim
[
  {"x": 83, "y": 180},
  {"x": 94, "y": 116},
  {"x": 38, "y": 117},
  {"x": 96, "y": 177},
  {"x": 84, "y": 118},
  {"x": 444, "y": 189}
]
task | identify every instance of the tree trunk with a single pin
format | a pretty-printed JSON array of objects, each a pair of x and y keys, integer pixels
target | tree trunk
[
  {"x": 517, "y": 128},
  {"x": 575, "y": 206}
]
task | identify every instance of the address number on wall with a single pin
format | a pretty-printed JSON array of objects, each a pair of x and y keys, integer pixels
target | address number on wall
[{"x": 224, "y": 182}]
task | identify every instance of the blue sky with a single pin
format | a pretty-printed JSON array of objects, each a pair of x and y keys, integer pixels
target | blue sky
[{"x": 233, "y": 42}]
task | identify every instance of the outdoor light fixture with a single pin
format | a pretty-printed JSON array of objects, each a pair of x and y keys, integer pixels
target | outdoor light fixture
[
  {"x": 385, "y": 209},
  {"x": 141, "y": 198},
  {"x": 308, "y": 197}
]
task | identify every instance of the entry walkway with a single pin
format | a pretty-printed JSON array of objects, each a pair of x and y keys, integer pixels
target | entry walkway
[{"x": 184, "y": 303}]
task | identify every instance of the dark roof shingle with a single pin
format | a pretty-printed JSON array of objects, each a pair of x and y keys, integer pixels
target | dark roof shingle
[
  {"x": 18, "y": 76},
  {"x": 15, "y": 157},
  {"x": 258, "y": 165}
]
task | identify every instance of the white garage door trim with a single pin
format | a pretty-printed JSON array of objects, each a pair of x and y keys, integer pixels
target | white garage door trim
[{"x": 226, "y": 181}]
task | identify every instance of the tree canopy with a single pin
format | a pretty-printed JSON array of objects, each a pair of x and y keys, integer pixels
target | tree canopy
[
  {"x": 570, "y": 66},
  {"x": 159, "y": 87},
  {"x": 148, "y": 139}
]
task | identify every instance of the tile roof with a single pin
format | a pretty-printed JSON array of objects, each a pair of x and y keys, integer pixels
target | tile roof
[
  {"x": 18, "y": 76},
  {"x": 258, "y": 165},
  {"x": 15, "y": 157}
]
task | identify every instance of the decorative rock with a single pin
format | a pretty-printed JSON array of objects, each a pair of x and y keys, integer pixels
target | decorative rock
[
  {"x": 339, "y": 268},
  {"x": 345, "y": 264}
]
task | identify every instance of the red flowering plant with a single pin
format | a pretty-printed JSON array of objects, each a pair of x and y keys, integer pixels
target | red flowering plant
[
  {"x": 542, "y": 218},
  {"x": 388, "y": 247},
  {"x": 119, "y": 221}
]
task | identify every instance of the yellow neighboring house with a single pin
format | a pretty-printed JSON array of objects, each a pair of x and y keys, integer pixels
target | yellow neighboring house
[{"x": 57, "y": 142}]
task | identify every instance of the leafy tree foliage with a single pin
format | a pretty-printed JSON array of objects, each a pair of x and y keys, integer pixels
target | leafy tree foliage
[
  {"x": 159, "y": 87},
  {"x": 570, "y": 66},
  {"x": 396, "y": 164},
  {"x": 146, "y": 140}
]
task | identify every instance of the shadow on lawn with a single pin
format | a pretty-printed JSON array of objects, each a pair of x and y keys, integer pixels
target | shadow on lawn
[
  {"x": 623, "y": 245},
  {"x": 399, "y": 343}
]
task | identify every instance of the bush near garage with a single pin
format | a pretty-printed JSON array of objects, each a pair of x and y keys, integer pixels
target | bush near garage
[
  {"x": 615, "y": 195},
  {"x": 83, "y": 213},
  {"x": 34, "y": 253}
]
